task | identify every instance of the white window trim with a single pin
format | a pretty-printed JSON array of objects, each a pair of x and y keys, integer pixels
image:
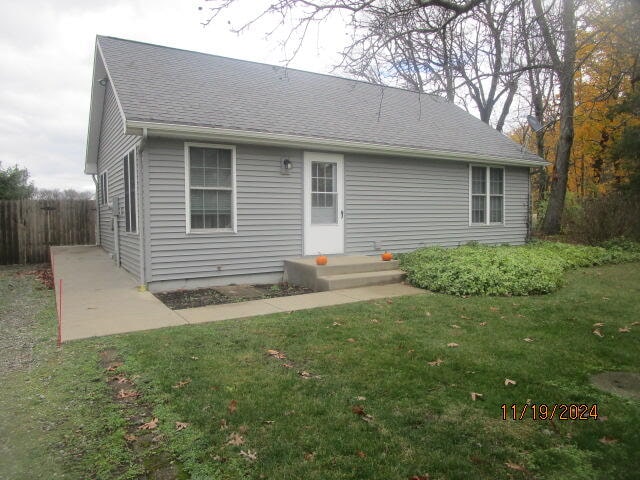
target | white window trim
[
  {"x": 135, "y": 183},
  {"x": 187, "y": 188},
  {"x": 487, "y": 195},
  {"x": 104, "y": 195}
]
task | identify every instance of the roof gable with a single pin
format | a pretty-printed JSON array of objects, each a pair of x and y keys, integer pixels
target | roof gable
[{"x": 164, "y": 86}]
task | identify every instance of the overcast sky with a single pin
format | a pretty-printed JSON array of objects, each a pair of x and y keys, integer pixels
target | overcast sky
[{"x": 46, "y": 57}]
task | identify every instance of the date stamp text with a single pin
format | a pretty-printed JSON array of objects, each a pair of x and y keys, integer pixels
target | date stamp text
[{"x": 557, "y": 411}]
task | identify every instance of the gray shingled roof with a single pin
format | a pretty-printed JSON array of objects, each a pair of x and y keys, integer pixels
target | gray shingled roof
[{"x": 166, "y": 85}]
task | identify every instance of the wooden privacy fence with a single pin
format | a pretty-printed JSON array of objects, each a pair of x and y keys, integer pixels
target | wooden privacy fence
[{"x": 29, "y": 227}]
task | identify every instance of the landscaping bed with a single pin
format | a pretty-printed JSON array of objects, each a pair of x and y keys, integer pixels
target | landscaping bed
[
  {"x": 535, "y": 268},
  {"x": 200, "y": 297}
]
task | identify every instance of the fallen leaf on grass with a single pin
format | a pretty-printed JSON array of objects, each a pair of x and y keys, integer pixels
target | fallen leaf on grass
[
  {"x": 455, "y": 326},
  {"x": 515, "y": 466},
  {"x": 436, "y": 363},
  {"x": 494, "y": 309},
  {"x": 130, "y": 438},
  {"x": 223, "y": 424},
  {"x": 624, "y": 330},
  {"x": 276, "y": 354},
  {"x": 428, "y": 314},
  {"x": 232, "y": 407},
  {"x": 150, "y": 425},
  {"x": 361, "y": 454},
  {"x": 182, "y": 383},
  {"x": 598, "y": 333},
  {"x": 309, "y": 456},
  {"x": 235, "y": 439},
  {"x": 605, "y": 298},
  {"x": 483, "y": 324},
  {"x": 336, "y": 324},
  {"x": 508, "y": 382},
  {"x": 194, "y": 358},
  {"x": 608, "y": 440},
  {"x": 452, "y": 345},
  {"x": 635, "y": 324},
  {"x": 114, "y": 366},
  {"x": 476, "y": 396},
  {"x": 420, "y": 477},
  {"x": 127, "y": 394},
  {"x": 181, "y": 425},
  {"x": 121, "y": 379},
  {"x": 360, "y": 398},
  {"x": 374, "y": 320},
  {"x": 351, "y": 340},
  {"x": 464, "y": 317},
  {"x": 249, "y": 455},
  {"x": 529, "y": 340},
  {"x": 359, "y": 410},
  {"x": 287, "y": 365},
  {"x": 599, "y": 324},
  {"x": 305, "y": 374}
]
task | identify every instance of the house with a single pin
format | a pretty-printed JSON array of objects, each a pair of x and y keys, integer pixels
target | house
[{"x": 213, "y": 171}]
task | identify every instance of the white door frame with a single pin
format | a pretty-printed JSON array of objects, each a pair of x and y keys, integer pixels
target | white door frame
[{"x": 323, "y": 238}]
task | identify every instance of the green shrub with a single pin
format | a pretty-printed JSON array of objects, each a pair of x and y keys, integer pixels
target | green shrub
[{"x": 507, "y": 270}]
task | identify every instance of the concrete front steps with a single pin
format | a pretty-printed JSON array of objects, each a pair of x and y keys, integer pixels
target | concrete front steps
[{"x": 342, "y": 272}]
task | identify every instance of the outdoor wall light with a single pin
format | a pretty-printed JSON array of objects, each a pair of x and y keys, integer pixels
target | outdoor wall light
[
  {"x": 286, "y": 165},
  {"x": 103, "y": 81}
]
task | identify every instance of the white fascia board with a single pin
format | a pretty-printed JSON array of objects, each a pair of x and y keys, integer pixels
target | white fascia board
[
  {"x": 136, "y": 127},
  {"x": 100, "y": 70},
  {"x": 96, "y": 105}
]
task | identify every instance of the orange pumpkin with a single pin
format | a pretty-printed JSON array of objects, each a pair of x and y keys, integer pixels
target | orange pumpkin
[
  {"x": 386, "y": 256},
  {"x": 321, "y": 260}
]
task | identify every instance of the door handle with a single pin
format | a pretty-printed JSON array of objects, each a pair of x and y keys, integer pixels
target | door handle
[{"x": 341, "y": 213}]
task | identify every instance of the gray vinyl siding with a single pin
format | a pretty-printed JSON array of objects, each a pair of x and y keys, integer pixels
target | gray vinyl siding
[
  {"x": 400, "y": 203},
  {"x": 403, "y": 204},
  {"x": 114, "y": 144},
  {"x": 269, "y": 216}
]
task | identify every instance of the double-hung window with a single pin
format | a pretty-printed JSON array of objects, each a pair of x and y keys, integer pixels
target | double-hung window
[
  {"x": 104, "y": 189},
  {"x": 130, "y": 207},
  {"x": 487, "y": 195},
  {"x": 210, "y": 181}
]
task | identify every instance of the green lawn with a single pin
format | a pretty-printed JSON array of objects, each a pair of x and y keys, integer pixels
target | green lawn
[{"x": 373, "y": 407}]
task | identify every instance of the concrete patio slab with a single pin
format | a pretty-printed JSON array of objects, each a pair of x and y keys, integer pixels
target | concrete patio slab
[{"x": 100, "y": 299}]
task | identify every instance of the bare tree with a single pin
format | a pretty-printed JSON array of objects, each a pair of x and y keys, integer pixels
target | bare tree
[{"x": 475, "y": 52}]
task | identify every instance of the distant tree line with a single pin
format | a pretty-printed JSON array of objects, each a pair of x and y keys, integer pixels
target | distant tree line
[{"x": 15, "y": 185}]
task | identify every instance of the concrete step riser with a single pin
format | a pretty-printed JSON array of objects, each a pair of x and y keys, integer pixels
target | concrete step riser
[
  {"x": 324, "y": 270},
  {"x": 329, "y": 283}
]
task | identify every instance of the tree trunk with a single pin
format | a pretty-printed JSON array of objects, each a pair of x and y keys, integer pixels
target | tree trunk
[{"x": 565, "y": 69}]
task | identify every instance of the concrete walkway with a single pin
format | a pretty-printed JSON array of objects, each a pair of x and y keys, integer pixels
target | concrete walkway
[{"x": 99, "y": 299}]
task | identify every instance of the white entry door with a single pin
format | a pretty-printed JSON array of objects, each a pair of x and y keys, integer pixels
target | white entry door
[{"x": 323, "y": 203}]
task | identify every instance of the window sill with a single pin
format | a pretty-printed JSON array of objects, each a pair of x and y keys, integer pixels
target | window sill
[
  {"x": 501, "y": 224},
  {"x": 210, "y": 231}
]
